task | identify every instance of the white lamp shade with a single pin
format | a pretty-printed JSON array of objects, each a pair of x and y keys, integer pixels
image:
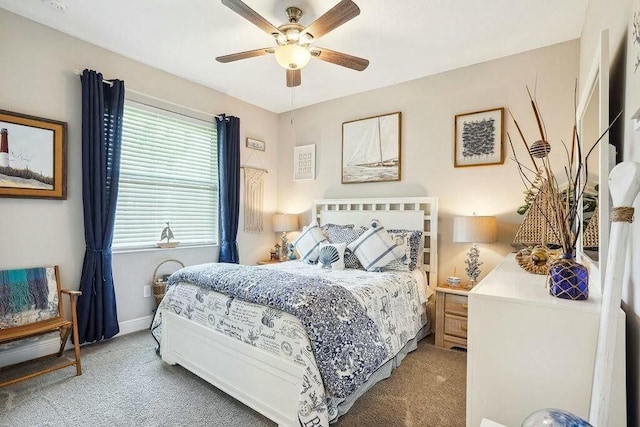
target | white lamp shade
[
  {"x": 285, "y": 222},
  {"x": 292, "y": 56},
  {"x": 475, "y": 229}
]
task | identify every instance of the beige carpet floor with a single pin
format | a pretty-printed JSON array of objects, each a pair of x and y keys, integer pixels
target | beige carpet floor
[{"x": 125, "y": 383}]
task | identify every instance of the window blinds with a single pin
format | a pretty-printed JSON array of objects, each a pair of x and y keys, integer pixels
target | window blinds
[{"x": 168, "y": 173}]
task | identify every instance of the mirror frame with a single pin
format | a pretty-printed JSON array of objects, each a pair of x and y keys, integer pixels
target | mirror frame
[{"x": 598, "y": 77}]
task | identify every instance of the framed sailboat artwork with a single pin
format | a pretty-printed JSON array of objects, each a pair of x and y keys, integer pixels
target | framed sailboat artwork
[{"x": 371, "y": 149}]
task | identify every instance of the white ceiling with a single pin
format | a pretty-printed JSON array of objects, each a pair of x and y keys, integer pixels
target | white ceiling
[{"x": 404, "y": 40}]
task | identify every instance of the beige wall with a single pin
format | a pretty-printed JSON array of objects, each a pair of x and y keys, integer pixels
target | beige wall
[
  {"x": 36, "y": 78},
  {"x": 428, "y": 107},
  {"x": 616, "y": 17}
]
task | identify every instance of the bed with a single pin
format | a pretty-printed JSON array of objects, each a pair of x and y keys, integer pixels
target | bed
[{"x": 293, "y": 371}]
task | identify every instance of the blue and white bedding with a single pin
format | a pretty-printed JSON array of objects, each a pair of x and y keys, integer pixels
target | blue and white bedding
[{"x": 339, "y": 325}]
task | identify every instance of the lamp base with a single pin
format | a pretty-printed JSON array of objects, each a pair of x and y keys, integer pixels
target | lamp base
[
  {"x": 473, "y": 265},
  {"x": 285, "y": 247}
]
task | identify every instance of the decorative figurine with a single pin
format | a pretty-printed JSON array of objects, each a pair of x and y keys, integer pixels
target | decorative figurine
[
  {"x": 167, "y": 235},
  {"x": 292, "y": 252},
  {"x": 277, "y": 249}
]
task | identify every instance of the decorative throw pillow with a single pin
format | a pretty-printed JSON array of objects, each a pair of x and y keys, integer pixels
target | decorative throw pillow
[
  {"x": 375, "y": 248},
  {"x": 332, "y": 256},
  {"x": 327, "y": 227},
  {"x": 411, "y": 242},
  {"x": 347, "y": 235},
  {"x": 308, "y": 243},
  {"x": 400, "y": 264}
]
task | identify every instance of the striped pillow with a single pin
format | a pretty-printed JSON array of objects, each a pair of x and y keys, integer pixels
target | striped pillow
[
  {"x": 375, "y": 248},
  {"x": 308, "y": 243}
]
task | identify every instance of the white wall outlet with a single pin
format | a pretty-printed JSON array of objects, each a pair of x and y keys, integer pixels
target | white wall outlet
[{"x": 147, "y": 291}]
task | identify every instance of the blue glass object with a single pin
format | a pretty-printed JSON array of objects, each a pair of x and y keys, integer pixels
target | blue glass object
[
  {"x": 554, "y": 418},
  {"x": 568, "y": 279},
  {"x": 292, "y": 254}
]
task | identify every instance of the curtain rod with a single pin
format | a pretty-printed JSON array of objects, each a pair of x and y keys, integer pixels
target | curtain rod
[
  {"x": 79, "y": 73},
  {"x": 155, "y": 98}
]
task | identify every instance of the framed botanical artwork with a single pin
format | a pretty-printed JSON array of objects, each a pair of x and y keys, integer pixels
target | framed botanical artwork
[
  {"x": 371, "y": 149},
  {"x": 32, "y": 157},
  {"x": 478, "y": 138},
  {"x": 255, "y": 144},
  {"x": 304, "y": 163}
]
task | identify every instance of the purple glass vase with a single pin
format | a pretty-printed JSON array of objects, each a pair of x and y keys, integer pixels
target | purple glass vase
[{"x": 568, "y": 279}]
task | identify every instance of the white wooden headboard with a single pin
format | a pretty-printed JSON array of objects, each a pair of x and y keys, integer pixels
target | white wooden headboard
[{"x": 413, "y": 213}]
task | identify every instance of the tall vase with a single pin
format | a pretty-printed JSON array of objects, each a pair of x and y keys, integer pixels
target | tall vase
[{"x": 568, "y": 278}]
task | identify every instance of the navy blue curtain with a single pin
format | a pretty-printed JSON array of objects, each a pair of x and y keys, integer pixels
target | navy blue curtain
[
  {"x": 229, "y": 184},
  {"x": 102, "y": 110}
]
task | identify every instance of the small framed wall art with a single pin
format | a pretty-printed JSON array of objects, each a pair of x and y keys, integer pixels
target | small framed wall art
[
  {"x": 371, "y": 149},
  {"x": 32, "y": 157},
  {"x": 478, "y": 138},
  {"x": 255, "y": 144},
  {"x": 304, "y": 162}
]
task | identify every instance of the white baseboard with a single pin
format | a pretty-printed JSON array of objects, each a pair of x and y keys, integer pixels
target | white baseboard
[
  {"x": 135, "y": 325},
  {"x": 48, "y": 345}
]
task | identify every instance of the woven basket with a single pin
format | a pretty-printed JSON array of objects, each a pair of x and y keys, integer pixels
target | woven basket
[
  {"x": 159, "y": 285},
  {"x": 535, "y": 229},
  {"x": 590, "y": 236}
]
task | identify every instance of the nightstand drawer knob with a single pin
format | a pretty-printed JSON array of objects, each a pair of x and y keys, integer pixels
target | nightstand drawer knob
[
  {"x": 463, "y": 327},
  {"x": 465, "y": 306}
]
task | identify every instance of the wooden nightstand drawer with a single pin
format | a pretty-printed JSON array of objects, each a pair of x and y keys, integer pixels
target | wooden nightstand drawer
[
  {"x": 451, "y": 317},
  {"x": 456, "y": 304},
  {"x": 455, "y": 325}
]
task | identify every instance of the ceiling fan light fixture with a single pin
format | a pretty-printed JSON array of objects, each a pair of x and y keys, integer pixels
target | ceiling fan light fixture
[
  {"x": 293, "y": 35},
  {"x": 292, "y": 56}
]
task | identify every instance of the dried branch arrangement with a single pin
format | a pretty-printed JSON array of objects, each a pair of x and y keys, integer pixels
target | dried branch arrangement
[{"x": 560, "y": 213}]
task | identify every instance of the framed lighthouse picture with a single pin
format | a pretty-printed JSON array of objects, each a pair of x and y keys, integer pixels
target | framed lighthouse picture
[{"x": 32, "y": 156}]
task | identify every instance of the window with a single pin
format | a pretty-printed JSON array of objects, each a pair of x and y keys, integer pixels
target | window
[{"x": 168, "y": 173}]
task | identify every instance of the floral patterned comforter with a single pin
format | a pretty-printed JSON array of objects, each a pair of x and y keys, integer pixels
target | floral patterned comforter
[{"x": 385, "y": 308}]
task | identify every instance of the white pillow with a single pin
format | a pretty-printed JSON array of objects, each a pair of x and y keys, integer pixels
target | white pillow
[
  {"x": 308, "y": 243},
  {"x": 332, "y": 256},
  {"x": 375, "y": 248}
]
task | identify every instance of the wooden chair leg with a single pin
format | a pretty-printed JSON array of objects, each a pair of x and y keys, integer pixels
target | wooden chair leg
[
  {"x": 64, "y": 336},
  {"x": 76, "y": 339}
]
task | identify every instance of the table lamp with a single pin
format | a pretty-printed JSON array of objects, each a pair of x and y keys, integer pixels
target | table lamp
[
  {"x": 284, "y": 223},
  {"x": 474, "y": 229}
]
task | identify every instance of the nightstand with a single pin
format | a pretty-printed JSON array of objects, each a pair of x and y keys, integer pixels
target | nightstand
[
  {"x": 269, "y": 261},
  {"x": 451, "y": 316}
]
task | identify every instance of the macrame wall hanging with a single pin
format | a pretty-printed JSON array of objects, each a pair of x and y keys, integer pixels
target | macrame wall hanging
[{"x": 253, "y": 199}]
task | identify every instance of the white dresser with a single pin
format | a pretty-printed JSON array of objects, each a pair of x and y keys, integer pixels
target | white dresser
[{"x": 527, "y": 350}]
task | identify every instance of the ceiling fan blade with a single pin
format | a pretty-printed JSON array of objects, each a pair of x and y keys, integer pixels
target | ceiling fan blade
[
  {"x": 244, "y": 55},
  {"x": 336, "y": 16},
  {"x": 339, "y": 58},
  {"x": 294, "y": 78},
  {"x": 251, "y": 15}
]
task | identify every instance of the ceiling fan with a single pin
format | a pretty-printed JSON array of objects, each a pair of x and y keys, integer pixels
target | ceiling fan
[{"x": 294, "y": 50}]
